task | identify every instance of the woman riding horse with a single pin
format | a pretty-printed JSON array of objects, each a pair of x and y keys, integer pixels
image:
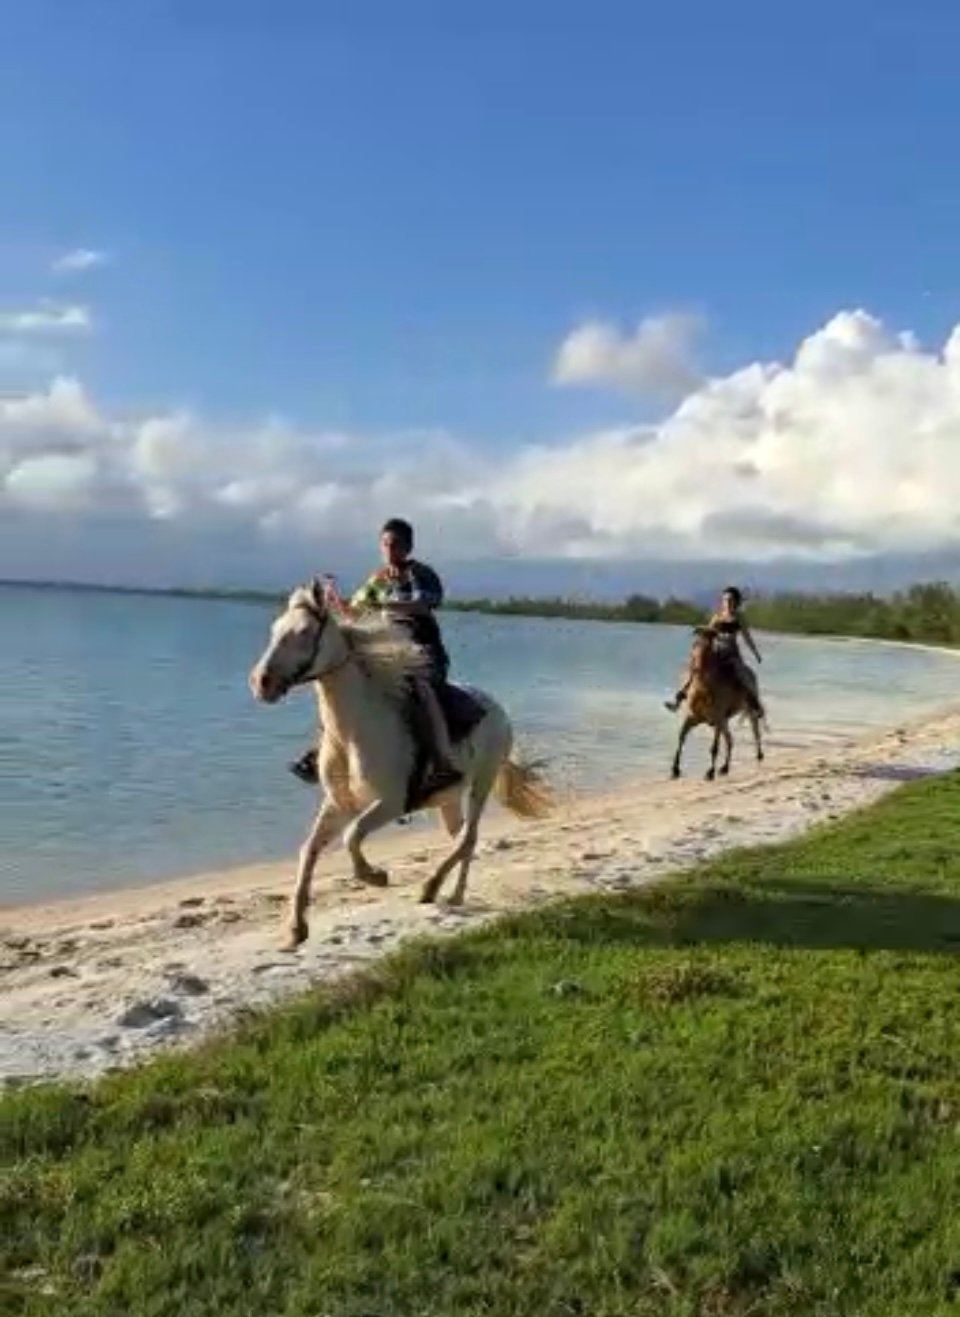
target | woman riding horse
[{"x": 728, "y": 623}]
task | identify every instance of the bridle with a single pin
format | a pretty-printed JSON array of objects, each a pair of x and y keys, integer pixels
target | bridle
[{"x": 305, "y": 671}]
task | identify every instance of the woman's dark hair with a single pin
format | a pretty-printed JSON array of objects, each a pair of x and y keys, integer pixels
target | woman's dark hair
[
  {"x": 734, "y": 594},
  {"x": 401, "y": 529}
]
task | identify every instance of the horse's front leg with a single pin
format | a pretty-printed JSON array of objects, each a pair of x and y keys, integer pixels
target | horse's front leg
[
  {"x": 327, "y": 823},
  {"x": 375, "y": 816},
  {"x": 688, "y": 724}
]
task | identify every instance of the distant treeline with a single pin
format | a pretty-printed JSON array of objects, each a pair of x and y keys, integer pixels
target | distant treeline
[
  {"x": 222, "y": 593},
  {"x": 636, "y": 608},
  {"x": 924, "y": 613}
]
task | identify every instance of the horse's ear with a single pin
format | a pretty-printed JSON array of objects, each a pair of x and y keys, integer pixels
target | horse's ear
[{"x": 317, "y": 595}]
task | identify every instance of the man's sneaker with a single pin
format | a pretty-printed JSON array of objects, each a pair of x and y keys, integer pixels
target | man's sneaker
[{"x": 305, "y": 768}]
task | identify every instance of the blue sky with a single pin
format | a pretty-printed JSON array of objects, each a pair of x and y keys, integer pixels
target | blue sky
[{"x": 376, "y": 217}]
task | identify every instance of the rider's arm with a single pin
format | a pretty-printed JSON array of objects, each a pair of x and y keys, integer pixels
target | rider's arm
[
  {"x": 332, "y": 596},
  {"x": 366, "y": 597},
  {"x": 748, "y": 640}
]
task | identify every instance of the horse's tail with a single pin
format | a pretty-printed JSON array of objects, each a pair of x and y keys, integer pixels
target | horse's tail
[
  {"x": 521, "y": 789},
  {"x": 761, "y": 715}
]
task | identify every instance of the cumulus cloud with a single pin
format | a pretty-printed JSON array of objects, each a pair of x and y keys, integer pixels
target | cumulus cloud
[
  {"x": 47, "y": 318},
  {"x": 78, "y": 261},
  {"x": 55, "y": 482},
  {"x": 656, "y": 359},
  {"x": 850, "y": 449}
]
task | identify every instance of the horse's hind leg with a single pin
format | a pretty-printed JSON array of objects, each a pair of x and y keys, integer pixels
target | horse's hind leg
[
  {"x": 466, "y": 838},
  {"x": 688, "y": 725},
  {"x": 728, "y": 742},
  {"x": 714, "y": 750},
  {"x": 325, "y": 826},
  {"x": 465, "y": 842},
  {"x": 757, "y": 738},
  {"x": 451, "y": 816}
]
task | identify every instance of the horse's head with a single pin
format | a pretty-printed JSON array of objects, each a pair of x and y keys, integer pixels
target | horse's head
[
  {"x": 701, "y": 651},
  {"x": 303, "y": 646}
]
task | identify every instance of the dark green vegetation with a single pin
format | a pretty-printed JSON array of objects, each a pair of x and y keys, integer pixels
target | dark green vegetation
[
  {"x": 929, "y": 613},
  {"x": 926, "y": 613},
  {"x": 736, "y": 1094},
  {"x": 636, "y": 608}
]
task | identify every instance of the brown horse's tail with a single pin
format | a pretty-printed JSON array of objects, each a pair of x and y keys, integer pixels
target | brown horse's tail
[
  {"x": 761, "y": 712},
  {"x": 521, "y": 789}
]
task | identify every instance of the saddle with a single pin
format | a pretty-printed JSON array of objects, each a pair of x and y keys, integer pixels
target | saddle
[
  {"x": 461, "y": 708},
  {"x": 462, "y": 712}
]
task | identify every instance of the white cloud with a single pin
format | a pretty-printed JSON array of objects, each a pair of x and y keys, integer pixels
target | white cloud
[
  {"x": 657, "y": 359},
  {"x": 54, "y": 482},
  {"x": 851, "y": 448},
  {"x": 47, "y": 318},
  {"x": 78, "y": 261}
]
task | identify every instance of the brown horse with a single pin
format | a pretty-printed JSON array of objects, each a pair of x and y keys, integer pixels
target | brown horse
[{"x": 715, "y": 695}]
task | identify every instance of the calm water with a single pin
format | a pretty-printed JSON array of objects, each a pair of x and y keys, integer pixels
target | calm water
[{"x": 130, "y": 749}]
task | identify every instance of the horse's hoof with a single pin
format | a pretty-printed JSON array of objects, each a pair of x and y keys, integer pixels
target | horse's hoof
[
  {"x": 375, "y": 877},
  {"x": 675, "y": 773},
  {"x": 428, "y": 896},
  {"x": 298, "y": 935},
  {"x": 725, "y": 771},
  {"x": 710, "y": 775}
]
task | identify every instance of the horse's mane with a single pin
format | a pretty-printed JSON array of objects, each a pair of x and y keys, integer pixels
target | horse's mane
[
  {"x": 384, "y": 653},
  {"x": 388, "y": 658},
  {"x": 702, "y": 649}
]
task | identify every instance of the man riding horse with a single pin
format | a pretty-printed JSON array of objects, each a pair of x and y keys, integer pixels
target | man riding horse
[{"x": 408, "y": 592}]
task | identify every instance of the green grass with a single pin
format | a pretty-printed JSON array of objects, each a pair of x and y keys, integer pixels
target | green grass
[{"x": 736, "y": 1094}]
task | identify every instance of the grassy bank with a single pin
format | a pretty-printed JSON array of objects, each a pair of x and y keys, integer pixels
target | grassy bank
[{"x": 737, "y": 1094}]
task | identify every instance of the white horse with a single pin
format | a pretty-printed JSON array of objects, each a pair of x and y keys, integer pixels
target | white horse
[{"x": 361, "y": 670}]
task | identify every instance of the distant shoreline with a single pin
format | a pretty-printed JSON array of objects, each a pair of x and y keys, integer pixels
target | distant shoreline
[
  {"x": 924, "y": 614},
  {"x": 150, "y": 591}
]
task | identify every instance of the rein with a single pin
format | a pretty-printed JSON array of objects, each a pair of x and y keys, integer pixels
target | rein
[{"x": 304, "y": 672}]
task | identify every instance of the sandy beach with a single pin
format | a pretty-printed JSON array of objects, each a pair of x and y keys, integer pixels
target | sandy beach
[{"x": 92, "y": 984}]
